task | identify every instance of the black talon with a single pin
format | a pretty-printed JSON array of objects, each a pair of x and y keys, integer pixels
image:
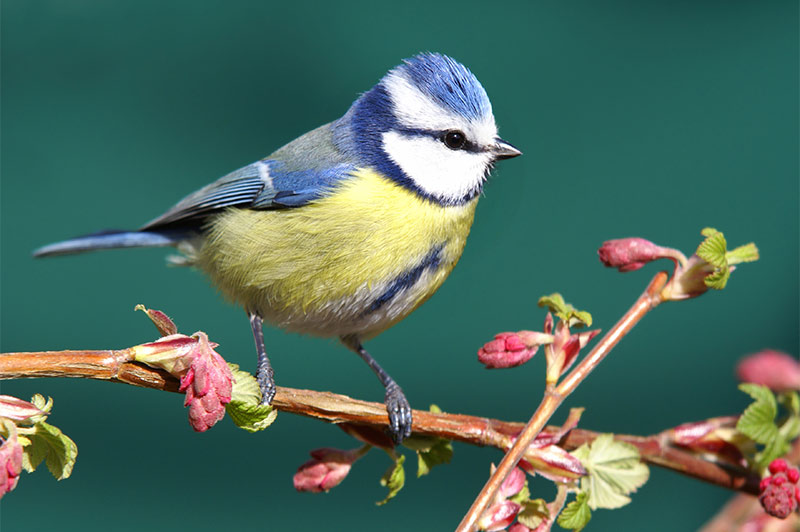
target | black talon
[
  {"x": 264, "y": 373},
  {"x": 400, "y": 418}
]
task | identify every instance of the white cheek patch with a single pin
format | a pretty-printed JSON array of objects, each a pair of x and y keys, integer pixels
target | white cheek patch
[{"x": 447, "y": 174}]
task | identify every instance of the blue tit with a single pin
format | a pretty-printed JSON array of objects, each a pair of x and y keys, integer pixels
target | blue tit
[{"x": 347, "y": 229}]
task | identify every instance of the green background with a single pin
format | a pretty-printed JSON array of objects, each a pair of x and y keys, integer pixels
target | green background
[{"x": 649, "y": 119}]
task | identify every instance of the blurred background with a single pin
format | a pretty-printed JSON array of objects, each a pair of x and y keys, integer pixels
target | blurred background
[{"x": 651, "y": 119}]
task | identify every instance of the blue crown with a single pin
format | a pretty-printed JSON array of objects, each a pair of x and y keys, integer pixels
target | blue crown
[
  {"x": 359, "y": 133},
  {"x": 449, "y": 83}
]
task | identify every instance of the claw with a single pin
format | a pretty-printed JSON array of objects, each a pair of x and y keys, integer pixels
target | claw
[{"x": 399, "y": 410}]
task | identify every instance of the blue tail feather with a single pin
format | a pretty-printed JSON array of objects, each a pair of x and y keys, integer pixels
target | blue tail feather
[{"x": 112, "y": 240}]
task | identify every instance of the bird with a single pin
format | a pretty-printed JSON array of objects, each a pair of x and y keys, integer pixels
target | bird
[{"x": 347, "y": 229}]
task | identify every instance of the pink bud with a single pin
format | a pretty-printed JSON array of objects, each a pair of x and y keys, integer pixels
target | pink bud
[
  {"x": 774, "y": 369},
  {"x": 777, "y": 466},
  {"x": 162, "y": 322},
  {"x": 499, "y": 515},
  {"x": 10, "y": 463},
  {"x": 205, "y": 376},
  {"x": 513, "y": 483},
  {"x": 552, "y": 462},
  {"x": 793, "y": 475},
  {"x": 628, "y": 254},
  {"x": 327, "y": 468},
  {"x": 507, "y": 350},
  {"x": 519, "y": 527},
  {"x": 778, "y": 498},
  {"x": 207, "y": 384},
  {"x": 17, "y": 409},
  {"x": 717, "y": 436}
]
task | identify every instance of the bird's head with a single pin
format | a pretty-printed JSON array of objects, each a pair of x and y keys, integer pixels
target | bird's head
[{"x": 428, "y": 125}]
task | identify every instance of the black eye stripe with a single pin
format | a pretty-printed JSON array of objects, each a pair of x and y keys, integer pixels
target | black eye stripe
[{"x": 468, "y": 145}]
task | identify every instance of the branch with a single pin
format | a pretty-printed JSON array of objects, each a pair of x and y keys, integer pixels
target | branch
[
  {"x": 115, "y": 366},
  {"x": 555, "y": 395}
]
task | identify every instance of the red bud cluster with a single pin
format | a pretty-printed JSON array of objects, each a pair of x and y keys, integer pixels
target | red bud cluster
[{"x": 780, "y": 493}]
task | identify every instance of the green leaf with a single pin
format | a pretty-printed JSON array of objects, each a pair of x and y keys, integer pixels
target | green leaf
[
  {"x": 430, "y": 452},
  {"x": 245, "y": 408},
  {"x": 522, "y": 496},
  {"x": 48, "y": 443},
  {"x": 250, "y": 417},
  {"x": 574, "y": 318},
  {"x": 394, "y": 478},
  {"x": 614, "y": 471},
  {"x": 717, "y": 279},
  {"x": 758, "y": 420},
  {"x": 774, "y": 449},
  {"x": 45, "y": 405},
  {"x": 745, "y": 253},
  {"x": 791, "y": 401},
  {"x": 790, "y": 429},
  {"x": 714, "y": 248},
  {"x": 534, "y": 513},
  {"x": 577, "y": 514}
]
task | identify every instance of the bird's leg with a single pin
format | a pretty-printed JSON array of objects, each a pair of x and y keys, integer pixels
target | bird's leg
[
  {"x": 264, "y": 374},
  {"x": 396, "y": 403}
]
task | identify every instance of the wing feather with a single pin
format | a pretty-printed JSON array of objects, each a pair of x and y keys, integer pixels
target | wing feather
[{"x": 297, "y": 174}]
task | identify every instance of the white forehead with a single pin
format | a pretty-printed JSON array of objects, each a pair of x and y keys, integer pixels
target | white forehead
[{"x": 416, "y": 110}]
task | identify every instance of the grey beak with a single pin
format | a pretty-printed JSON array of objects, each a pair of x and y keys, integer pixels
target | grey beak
[{"x": 504, "y": 150}]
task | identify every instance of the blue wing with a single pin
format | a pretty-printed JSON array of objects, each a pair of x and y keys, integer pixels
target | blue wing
[{"x": 300, "y": 172}]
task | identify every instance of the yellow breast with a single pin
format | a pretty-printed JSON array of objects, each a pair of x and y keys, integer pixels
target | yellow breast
[{"x": 319, "y": 268}]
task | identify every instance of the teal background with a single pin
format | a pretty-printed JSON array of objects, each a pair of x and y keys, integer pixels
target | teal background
[{"x": 649, "y": 119}]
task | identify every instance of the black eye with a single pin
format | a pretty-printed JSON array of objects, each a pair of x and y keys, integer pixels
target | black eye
[{"x": 454, "y": 139}]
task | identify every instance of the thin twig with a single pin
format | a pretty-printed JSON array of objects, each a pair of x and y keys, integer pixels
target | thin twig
[
  {"x": 554, "y": 396},
  {"x": 115, "y": 366}
]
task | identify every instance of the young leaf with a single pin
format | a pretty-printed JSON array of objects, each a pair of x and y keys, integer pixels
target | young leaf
[
  {"x": 717, "y": 279},
  {"x": 758, "y": 420},
  {"x": 394, "y": 478},
  {"x": 430, "y": 452},
  {"x": 745, "y": 253},
  {"x": 576, "y": 515},
  {"x": 48, "y": 443},
  {"x": 791, "y": 401},
  {"x": 790, "y": 429},
  {"x": 574, "y": 318},
  {"x": 774, "y": 449},
  {"x": 534, "y": 513},
  {"x": 245, "y": 408},
  {"x": 45, "y": 405},
  {"x": 615, "y": 471},
  {"x": 522, "y": 496},
  {"x": 713, "y": 248}
]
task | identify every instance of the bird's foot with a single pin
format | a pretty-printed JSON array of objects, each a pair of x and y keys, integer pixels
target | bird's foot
[
  {"x": 266, "y": 383},
  {"x": 399, "y": 413}
]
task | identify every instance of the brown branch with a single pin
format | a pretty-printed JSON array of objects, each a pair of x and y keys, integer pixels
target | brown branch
[
  {"x": 115, "y": 366},
  {"x": 555, "y": 395}
]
